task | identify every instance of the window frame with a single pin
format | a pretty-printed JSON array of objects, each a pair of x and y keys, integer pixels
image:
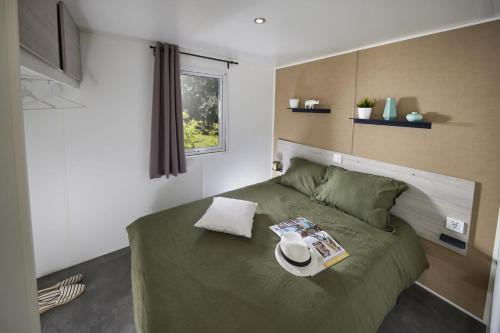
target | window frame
[{"x": 221, "y": 147}]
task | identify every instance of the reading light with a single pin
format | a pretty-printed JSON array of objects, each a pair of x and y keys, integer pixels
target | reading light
[{"x": 259, "y": 20}]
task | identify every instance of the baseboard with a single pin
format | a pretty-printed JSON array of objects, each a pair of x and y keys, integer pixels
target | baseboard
[{"x": 451, "y": 303}]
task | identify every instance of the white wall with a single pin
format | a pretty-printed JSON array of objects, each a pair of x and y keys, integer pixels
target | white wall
[{"x": 88, "y": 168}]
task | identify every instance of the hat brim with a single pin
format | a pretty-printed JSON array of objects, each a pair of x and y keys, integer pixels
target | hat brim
[{"x": 309, "y": 270}]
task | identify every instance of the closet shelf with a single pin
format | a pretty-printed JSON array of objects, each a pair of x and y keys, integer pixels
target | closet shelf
[{"x": 400, "y": 123}]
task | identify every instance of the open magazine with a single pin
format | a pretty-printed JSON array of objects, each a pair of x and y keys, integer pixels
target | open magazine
[{"x": 329, "y": 250}]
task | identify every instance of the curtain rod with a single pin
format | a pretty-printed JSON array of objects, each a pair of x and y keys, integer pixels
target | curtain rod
[{"x": 228, "y": 62}]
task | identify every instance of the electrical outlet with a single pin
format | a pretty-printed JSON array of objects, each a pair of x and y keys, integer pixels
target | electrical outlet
[
  {"x": 337, "y": 158},
  {"x": 455, "y": 225}
]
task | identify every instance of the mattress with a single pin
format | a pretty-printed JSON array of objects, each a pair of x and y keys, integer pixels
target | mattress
[{"x": 186, "y": 279}]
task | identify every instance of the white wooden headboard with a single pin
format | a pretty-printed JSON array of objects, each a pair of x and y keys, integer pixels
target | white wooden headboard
[{"x": 430, "y": 199}]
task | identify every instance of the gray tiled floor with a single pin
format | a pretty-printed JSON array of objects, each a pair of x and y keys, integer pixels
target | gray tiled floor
[{"x": 106, "y": 305}]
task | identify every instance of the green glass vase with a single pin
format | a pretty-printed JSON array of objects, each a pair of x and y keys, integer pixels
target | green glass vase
[{"x": 390, "y": 109}]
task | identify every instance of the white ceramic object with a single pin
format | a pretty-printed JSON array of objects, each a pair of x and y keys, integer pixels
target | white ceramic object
[
  {"x": 364, "y": 113},
  {"x": 310, "y": 103},
  {"x": 294, "y": 103}
]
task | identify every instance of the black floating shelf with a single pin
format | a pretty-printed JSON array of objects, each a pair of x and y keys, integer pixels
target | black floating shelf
[
  {"x": 400, "y": 123},
  {"x": 310, "y": 110}
]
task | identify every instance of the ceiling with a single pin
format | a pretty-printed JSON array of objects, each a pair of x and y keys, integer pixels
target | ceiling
[{"x": 295, "y": 30}]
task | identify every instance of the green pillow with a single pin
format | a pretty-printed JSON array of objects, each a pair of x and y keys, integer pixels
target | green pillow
[
  {"x": 303, "y": 175},
  {"x": 367, "y": 197}
]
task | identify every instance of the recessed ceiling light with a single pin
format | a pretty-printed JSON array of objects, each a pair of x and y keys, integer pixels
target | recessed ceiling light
[{"x": 259, "y": 20}]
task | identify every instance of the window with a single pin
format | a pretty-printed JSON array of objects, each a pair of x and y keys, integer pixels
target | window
[{"x": 202, "y": 112}]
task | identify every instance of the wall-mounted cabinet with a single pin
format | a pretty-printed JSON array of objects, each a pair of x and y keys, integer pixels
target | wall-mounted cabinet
[
  {"x": 69, "y": 43},
  {"x": 38, "y": 29},
  {"x": 47, "y": 31}
]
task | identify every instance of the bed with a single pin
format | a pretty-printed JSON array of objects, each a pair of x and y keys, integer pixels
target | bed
[{"x": 187, "y": 279}]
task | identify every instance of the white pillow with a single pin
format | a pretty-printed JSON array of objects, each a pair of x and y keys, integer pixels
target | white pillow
[{"x": 231, "y": 216}]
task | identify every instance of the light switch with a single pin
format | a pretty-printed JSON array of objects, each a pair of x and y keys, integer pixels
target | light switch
[
  {"x": 337, "y": 158},
  {"x": 455, "y": 225}
]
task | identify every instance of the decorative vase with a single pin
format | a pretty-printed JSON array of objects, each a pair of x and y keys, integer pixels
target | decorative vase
[
  {"x": 414, "y": 117},
  {"x": 364, "y": 113},
  {"x": 390, "y": 109},
  {"x": 294, "y": 103}
]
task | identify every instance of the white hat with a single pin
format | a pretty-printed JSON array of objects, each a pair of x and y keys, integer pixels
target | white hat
[{"x": 294, "y": 255}]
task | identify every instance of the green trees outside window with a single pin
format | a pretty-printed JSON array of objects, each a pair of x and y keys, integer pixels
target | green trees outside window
[{"x": 200, "y": 106}]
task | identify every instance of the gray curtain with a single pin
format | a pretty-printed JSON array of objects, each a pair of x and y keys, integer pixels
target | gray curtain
[{"x": 167, "y": 133}]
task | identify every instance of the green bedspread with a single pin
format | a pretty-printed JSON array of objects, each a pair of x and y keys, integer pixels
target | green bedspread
[{"x": 187, "y": 279}]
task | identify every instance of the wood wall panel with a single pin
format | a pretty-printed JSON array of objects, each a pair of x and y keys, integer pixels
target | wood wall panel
[
  {"x": 333, "y": 82},
  {"x": 453, "y": 78}
]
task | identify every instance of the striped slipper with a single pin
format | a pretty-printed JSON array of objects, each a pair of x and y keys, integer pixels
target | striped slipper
[
  {"x": 59, "y": 297},
  {"x": 66, "y": 282}
]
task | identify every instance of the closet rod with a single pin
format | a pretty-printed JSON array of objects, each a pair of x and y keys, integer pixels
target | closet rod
[{"x": 228, "y": 62}]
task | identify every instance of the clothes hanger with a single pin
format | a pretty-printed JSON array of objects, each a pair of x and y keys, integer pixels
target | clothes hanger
[
  {"x": 25, "y": 92},
  {"x": 51, "y": 93}
]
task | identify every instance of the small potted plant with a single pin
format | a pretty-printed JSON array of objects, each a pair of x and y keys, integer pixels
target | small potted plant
[{"x": 365, "y": 107}]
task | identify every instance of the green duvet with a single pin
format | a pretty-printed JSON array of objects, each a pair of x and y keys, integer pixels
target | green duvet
[{"x": 187, "y": 279}]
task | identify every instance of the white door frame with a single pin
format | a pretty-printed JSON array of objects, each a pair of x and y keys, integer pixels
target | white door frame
[
  {"x": 492, "y": 305},
  {"x": 18, "y": 303}
]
